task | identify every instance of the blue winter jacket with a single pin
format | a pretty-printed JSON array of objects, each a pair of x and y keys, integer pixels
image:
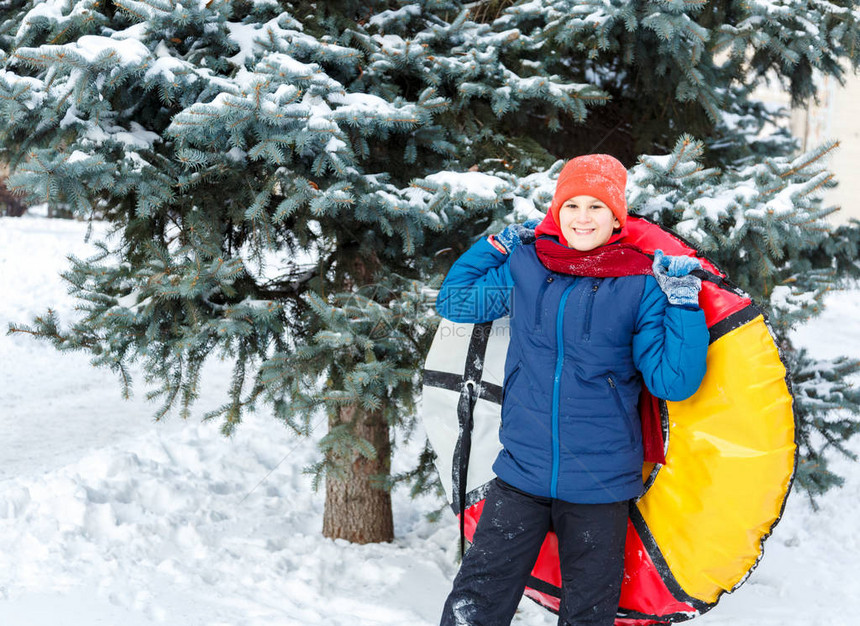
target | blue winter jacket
[{"x": 579, "y": 351}]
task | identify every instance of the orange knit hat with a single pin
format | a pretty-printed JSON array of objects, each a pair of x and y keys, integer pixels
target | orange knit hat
[{"x": 598, "y": 175}]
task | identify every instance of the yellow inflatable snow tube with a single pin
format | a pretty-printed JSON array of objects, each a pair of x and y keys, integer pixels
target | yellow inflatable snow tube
[
  {"x": 730, "y": 453},
  {"x": 725, "y": 469}
]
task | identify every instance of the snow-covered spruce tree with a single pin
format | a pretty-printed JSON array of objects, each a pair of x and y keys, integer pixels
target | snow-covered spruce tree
[
  {"x": 676, "y": 67},
  {"x": 287, "y": 178},
  {"x": 763, "y": 223},
  {"x": 280, "y": 177}
]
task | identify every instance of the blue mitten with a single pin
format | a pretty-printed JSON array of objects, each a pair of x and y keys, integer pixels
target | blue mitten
[
  {"x": 674, "y": 277},
  {"x": 515, "y": 234}
]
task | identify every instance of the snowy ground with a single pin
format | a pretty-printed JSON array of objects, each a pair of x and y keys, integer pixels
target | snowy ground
[{"x": 108, "y": 518}]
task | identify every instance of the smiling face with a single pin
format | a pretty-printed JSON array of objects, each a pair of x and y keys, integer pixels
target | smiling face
[{"x": 586, "y": 222}]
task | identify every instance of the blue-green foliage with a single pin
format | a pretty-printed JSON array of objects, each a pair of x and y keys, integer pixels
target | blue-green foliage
[
  {"x": 762, "y": 223},
  {"x": 289, "y": 181}
]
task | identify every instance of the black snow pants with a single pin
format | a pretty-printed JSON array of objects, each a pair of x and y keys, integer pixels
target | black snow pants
[{"x": 509, "y": 535}]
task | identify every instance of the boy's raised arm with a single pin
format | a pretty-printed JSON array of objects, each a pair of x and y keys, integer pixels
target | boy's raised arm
[
  {"x": 478, "y": 286},
  {"x": 670, "y": 345}
]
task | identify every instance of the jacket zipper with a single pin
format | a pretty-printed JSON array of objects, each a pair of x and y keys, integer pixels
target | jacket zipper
[
  {"x": 614, "y": 389},
  {"x": 586, "y": 335},
  {"x": 559, "y": 361},
  {"x": 539, "y": 303}
]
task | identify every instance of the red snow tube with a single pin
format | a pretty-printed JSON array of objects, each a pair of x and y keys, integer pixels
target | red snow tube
[{"x": 698, "y": 530}]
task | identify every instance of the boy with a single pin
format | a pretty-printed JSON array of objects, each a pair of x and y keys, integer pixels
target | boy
[{"x": 592, "y": 319}]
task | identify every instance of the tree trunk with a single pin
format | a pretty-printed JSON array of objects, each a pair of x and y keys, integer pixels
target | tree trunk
[
  {"x": 354, "y": 509},
  {"x": 14, "y": 207}
]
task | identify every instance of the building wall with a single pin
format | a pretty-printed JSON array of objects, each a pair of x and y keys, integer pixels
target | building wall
[{"x": 836, "y": 115}]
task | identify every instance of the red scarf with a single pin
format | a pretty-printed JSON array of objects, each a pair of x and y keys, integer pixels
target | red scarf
[
  {"x": 612, "y": 259},
  {"x": 615, "y": 258}
]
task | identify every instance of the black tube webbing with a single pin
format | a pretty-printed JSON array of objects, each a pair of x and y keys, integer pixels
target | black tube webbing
[
  {"x": 469, "y": 392},
  {"x": 466, "y": 414}
]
